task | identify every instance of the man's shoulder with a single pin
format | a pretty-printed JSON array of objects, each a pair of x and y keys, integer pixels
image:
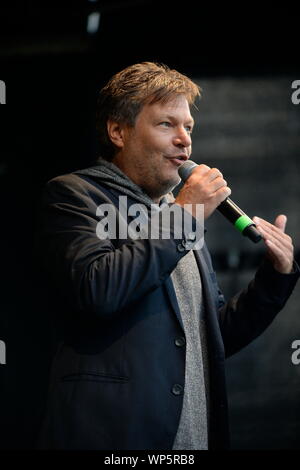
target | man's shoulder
[
  {"x": 75, "y": 179},
  {"x": 76, "y": 185},
  {"x": 71, "y": 178}
]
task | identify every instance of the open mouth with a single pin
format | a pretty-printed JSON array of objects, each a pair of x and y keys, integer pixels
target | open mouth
[{"x": 179, "y": 160}]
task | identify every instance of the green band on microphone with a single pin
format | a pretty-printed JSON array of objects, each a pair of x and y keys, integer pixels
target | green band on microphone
[{"x": 242, "y": 222}]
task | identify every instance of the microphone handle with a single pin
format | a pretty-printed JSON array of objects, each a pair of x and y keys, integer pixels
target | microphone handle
[
  {"x": 228, "y": 208},
  {"x": 239, "y": 219}
]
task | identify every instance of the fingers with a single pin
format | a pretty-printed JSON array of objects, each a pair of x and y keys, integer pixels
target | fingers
[
  {"x": 218, "y": 186},
  {"x": 206, "y": 186},
  {"x": 280, "y": 222},
  {"x": 282, "y": 260},
  {"x": 201, "y": 170},
  {"x": 223, "y": 193},
  {"x": 215, "y": 180},
  {"x": 213, "y": 174},
  {"x": 272, "y": 233},
  {"x": 280, "y": 246},
  {"x": 210, "y": 173},
  {"x": 212, "y": 178}
]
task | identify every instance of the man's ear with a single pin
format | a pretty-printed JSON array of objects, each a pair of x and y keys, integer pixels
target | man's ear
[{"x": 115, "y": 132}]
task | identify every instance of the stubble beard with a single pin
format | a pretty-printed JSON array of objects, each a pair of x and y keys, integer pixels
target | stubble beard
[
  {"x": 153, "y": 181},
  {"x": 160, "y": 187}
]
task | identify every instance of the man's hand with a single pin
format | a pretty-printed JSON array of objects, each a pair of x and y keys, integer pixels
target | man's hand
[
  {"x": 204, "y": 186},
  {"x": 280, "y": 248}
]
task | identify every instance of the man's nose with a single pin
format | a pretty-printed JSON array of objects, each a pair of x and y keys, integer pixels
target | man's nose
[{"x": 182, "y": 138}]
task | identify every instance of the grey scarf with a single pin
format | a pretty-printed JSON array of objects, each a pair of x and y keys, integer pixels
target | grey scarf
[{"x": 113, "y": 177}]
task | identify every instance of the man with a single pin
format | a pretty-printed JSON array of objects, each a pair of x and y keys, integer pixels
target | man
[{"x": 145, "y": 328}]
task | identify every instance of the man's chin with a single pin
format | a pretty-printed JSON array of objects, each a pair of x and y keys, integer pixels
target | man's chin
[
  {"x": 161, "y": 188},
  {"x": 169, "y": 185},
  {"x": 173, "y": 182}
]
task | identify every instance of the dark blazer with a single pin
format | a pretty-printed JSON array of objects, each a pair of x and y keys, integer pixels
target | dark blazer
[{"x": 117, "y": 378}]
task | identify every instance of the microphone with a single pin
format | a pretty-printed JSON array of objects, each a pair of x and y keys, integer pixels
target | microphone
[{"x": 228, "y": 208}]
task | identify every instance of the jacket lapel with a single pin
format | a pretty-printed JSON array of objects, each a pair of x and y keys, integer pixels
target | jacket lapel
[{"x": 168, "y": 284}]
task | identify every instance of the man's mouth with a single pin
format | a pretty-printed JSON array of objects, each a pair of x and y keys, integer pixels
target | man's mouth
[{"x": 178, "y": 159}]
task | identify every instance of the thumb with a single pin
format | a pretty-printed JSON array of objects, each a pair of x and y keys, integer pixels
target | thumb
[{"x": 280, "y": 222}]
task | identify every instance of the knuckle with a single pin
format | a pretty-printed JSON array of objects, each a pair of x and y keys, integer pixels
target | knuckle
[
  {"x": 204, "y": 167},
  {"x": 224, "y": 193},
  {"x": 208, "y": 194},
  {"x": 217, "y": 172}
]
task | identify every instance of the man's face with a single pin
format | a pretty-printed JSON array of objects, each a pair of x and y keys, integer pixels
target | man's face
[{"x": 161, "y": 133}]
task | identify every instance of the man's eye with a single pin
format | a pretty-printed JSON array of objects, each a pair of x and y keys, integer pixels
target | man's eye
[
  {"x": 165, "y": 123},
  {"x": 189, "y": 129}
]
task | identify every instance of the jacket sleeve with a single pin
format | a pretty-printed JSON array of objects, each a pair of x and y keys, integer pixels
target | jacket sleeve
[
  {"x": 246, "y": 315},
  {"x": 96, "y": 275}
]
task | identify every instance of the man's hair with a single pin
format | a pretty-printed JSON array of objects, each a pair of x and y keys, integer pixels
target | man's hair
[{"x": 123, "y": 97}]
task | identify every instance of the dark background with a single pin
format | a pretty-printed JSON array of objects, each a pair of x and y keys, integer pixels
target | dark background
[{"x": 245, "y": 59}]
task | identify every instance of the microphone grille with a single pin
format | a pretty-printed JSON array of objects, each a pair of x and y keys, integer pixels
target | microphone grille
[{"x": 186, "y": 169}]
